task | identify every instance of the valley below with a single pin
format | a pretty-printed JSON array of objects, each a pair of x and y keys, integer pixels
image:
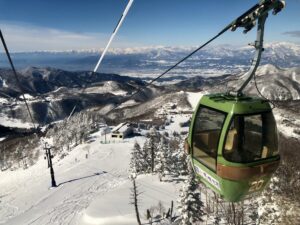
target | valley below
[{"x": 76, "y": 112}]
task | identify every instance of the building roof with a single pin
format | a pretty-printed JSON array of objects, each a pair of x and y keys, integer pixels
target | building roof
[{"x": 122, "y": 127}]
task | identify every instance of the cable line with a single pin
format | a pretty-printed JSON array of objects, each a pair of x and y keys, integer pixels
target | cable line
[
  {"x": 126, "y": 10},
  {"x": 169, "y": 69},
  {"x": 230, "y": 26},
  {"x": 17, "y": 78},
  {"x": 247, "y": 21},
  {"x": 114, "y": 33}
]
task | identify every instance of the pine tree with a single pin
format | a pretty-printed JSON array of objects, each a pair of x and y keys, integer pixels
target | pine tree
[
  {"x": 163, "y": 159},
  {"x": 190, "y": 203},
  {"x": 150, "y": 148},
  {"x": 179, "y": 159},
  {"x": 146, "y": 155},
  {"x": 138, "y": 162}
]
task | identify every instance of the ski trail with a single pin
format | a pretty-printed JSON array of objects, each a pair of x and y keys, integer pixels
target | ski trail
[
  {"x": 68, "y": 201},
  {"x": 79, "y": 183},
  {"x": 26, "y": 199}
]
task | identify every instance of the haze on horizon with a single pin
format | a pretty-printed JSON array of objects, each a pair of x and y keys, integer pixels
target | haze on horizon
[{"x": 75, "y": 25}]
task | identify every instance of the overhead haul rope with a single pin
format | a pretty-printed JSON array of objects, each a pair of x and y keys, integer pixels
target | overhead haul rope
[
  {"x": 114, "y": 33},
  {"x": 17, "y": 78},
  {"x": 120, "y": 22},
  {"x": 168, "y": 70},
  {"x": 247, "y": 20}
]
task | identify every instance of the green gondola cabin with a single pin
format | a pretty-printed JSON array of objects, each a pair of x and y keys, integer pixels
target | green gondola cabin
[{"x": 233, "y": 144}]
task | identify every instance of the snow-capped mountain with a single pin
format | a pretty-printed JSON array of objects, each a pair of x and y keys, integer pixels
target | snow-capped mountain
[
  {"x": 53, "y": 93},
  {"x": 287, "y": 48},
  {"x": 149, "y": 61},
  {"x": 42, "y": 80},
  {"x": 277, "y": 83}
]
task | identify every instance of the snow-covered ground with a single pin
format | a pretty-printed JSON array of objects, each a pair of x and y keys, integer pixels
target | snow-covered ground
[
  {"x": 128, "y": 103},
  {"x": 3, "y": 100},
  {"x": 114, "y": 207},
  {"x": 11, "y": 122},
  {"x": 93, "y": 187},
  {"x": 194, "y": 98},
  {"x": 175, "y": 121},
  {"x": 287, "y": 123},
  {"x": 27, "y": 97},
  {"x": 93, "y": 184}
]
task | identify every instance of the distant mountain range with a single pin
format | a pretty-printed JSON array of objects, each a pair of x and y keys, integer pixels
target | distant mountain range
[
  {"x": 149, "y": 61},
  {"x": 53, "y": 93},
  {"x": 36, "y": 81}
]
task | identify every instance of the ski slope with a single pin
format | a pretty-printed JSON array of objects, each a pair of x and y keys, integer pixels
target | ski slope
[
  {"x": 115, "y": 208},
  {"x": 93, "y": 188},
  {"x": 194, "y": 97}
]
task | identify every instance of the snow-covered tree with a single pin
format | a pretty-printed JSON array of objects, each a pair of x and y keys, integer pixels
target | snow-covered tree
[
  {"x": 73, "y": 131},
  {"x": 148, "y": 154},
  {"x": 138, "y": 162},
  {"x": 269, "y": 205},
  {"x": 150, "y": 148},
  {"x": 280, "y": 202},
  {"x": 163, "y": 159},
  {"x": 179, "y": 160},
  {"x": 191, "y": 207}
]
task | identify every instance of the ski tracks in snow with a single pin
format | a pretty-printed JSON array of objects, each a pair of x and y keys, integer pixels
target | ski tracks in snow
[
  {"x": 80, "y": 180},
  {"x": 71, "y": 200}
]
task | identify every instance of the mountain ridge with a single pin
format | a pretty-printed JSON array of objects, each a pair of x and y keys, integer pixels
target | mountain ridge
[
  {"x": 143, "y": 61},
  {"x": 135, "y": 50}
]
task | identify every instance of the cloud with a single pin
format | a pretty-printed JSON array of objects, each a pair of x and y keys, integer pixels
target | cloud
[
  {"x": 295, "y": 33},
  {"x": 26, "y": 37}
]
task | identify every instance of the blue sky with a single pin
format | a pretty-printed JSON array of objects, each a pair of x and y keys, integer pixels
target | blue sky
[{"x": 76, "y": 24}]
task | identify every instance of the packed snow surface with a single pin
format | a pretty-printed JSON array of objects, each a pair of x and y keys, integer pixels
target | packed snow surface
[
  {"x": 121, "y": 212},
  {"x": 27, "y": 96},
  {"x": 3, "y": 100},
  {"x": 93, "y": 188},
  {"x": 11, "y": 122}
]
